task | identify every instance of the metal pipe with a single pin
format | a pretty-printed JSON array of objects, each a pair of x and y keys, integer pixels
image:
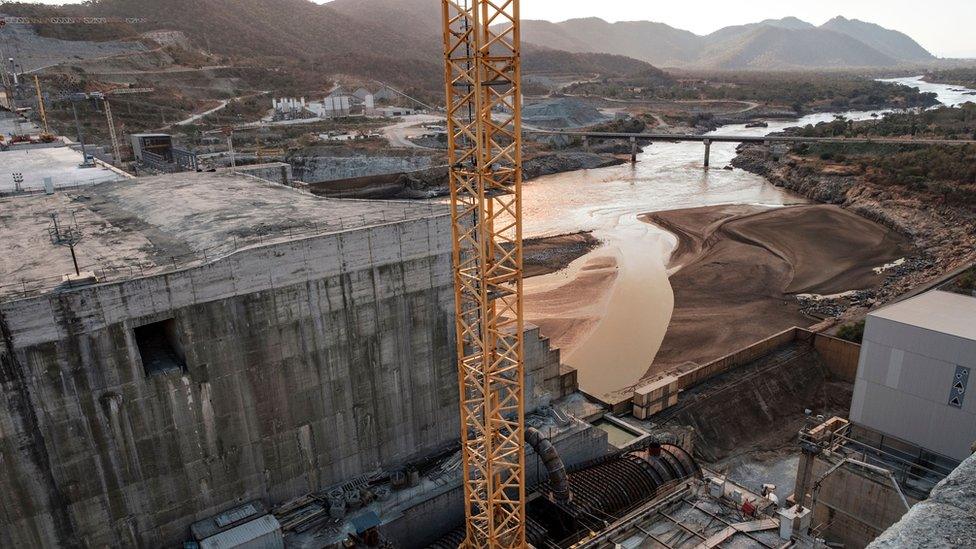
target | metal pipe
[{"x": 558, "y": 479}]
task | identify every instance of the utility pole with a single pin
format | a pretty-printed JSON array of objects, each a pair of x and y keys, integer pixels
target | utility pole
[
  {"x": 81, "y": 135},
  {"x": 229, "y": 131}
]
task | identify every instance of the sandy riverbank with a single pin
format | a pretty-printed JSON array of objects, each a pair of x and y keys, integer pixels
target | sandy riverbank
[{"x": 736, "y": 270}]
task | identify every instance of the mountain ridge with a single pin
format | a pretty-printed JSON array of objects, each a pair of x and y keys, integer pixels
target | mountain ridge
[{"x": 838, "y": 43}]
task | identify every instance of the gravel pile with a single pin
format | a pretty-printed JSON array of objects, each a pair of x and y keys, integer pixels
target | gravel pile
[{"x": 560, "y": 113}]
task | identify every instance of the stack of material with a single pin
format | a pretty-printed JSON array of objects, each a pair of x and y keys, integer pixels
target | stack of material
[{"x": 655, "y": 396}]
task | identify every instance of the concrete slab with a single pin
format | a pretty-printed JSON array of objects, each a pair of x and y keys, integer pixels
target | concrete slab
[
  {"x": 148, "y": 225},
  {"x": 61, "y": 164}
]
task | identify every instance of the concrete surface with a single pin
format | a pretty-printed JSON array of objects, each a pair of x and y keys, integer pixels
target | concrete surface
[
  {"x": 16, "y": 125},
  {"x": 61, "y": 164},
  {"x": 148, "y": 225}
]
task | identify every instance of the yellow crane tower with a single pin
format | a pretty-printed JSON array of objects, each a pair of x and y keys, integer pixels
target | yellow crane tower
[
  {"x": 483, "y": 89},
  {"x": 110, "y": 120},
  {"x": 40, "y": 105}
]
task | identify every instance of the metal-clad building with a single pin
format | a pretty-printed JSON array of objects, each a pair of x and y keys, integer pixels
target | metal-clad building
[{"x": 915, "y": 370}]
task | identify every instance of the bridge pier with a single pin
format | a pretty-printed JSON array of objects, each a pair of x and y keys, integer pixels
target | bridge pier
[
  {"x": 633, "y": 150},
  {"x": 586, "y": 143},
  {"x": 708, "y": 152}
]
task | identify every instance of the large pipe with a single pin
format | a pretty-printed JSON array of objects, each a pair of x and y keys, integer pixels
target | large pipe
[{"x": 558, "y": 479}]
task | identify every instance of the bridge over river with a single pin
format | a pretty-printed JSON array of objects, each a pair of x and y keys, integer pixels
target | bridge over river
[{"x": 707, "y": 140}]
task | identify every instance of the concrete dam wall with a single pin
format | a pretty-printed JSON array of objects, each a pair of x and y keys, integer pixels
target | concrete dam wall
[{"x": 130, "y": 410}]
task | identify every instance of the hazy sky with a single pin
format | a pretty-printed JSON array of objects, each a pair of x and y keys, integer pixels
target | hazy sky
[{"x": 945, "y": 27}]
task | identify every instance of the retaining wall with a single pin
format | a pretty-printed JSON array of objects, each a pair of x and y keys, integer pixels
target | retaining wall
[
  {"x": 276, "y": 172},
  {"x": 839, "y": 356}
]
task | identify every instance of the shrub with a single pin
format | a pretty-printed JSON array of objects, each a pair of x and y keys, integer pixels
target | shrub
[{"x": 852, "y": 332}]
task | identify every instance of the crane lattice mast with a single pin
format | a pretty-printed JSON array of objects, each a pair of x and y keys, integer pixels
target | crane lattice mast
[
  {"x": 116, "y": 151},
  {"x": 482, "y": 74}
]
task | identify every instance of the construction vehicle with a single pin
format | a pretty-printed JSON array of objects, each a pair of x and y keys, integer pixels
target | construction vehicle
[{"x": 483, "y": 97}]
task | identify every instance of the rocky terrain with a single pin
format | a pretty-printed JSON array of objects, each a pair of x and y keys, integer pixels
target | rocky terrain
[{"x": 943, "y": 233}]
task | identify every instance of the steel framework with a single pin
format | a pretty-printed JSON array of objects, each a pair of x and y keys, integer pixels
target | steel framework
[
  {"x": 116, "y": 151},
  {"x": 482, "y": 75}
]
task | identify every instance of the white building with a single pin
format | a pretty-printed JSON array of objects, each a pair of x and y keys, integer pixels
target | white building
[
  {"x": 395, "y": 111},
  {"x": 288, "y": 104},
  {"x": 914, "y": 375},
  {"x": 338, "y": 106}
]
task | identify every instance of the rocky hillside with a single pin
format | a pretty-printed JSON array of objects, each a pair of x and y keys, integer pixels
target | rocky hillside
[
  {"x": 393, "y": 40},
  {"x": 768, "y": 46},
  {"x": 889, "y": 42},
  {"x": 787, "y": 43}
]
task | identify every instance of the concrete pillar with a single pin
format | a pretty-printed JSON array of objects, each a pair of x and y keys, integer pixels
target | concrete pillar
[
  {"x": 586, "y": 143},
  {"x": 804, "y": 476},
  {"x": 633, "y": 150},
  {"x": 708, "y": 152}
]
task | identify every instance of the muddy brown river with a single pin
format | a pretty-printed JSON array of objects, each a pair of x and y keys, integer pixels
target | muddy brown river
[{"x": 609, "y": 310}]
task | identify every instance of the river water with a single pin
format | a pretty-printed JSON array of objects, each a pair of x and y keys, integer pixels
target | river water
[{"x": 609, "y": 310}]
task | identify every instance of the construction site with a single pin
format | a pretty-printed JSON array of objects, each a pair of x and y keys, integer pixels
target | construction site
[{"x": 389, "y": 341}]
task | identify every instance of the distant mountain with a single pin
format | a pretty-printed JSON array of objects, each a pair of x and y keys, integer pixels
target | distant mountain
[
  {"x": 656, "y": 43},
  {"x": 788, "y": 43},
  {"x": 889, "y": 42},
  {"x": 768, "y": 47},
  {"x": 422, "y": 18},
  {"x": 730, "y": 33},
  {"x": 539, "y": 60}
]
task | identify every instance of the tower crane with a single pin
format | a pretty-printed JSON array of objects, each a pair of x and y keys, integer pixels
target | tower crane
[
  {"x": 40, "y": 105},
  {"x": 483, "y": 91},
  {"x": 116, "y": 150}
]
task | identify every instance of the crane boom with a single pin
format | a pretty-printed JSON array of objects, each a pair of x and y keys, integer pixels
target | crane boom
[{"x": 483, "y": 90}]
